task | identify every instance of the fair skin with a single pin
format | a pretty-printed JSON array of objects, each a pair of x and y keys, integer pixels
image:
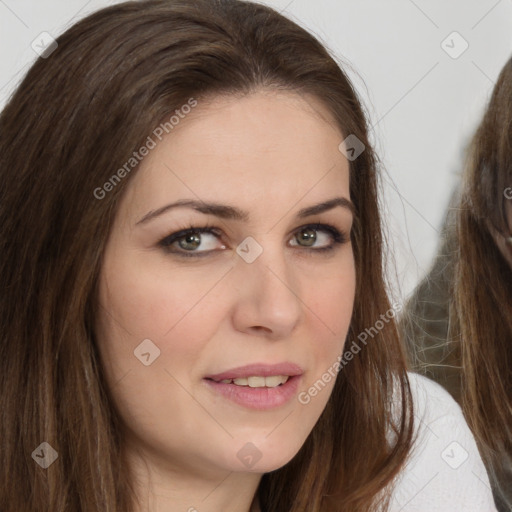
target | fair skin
[{"x": 271, "y": 155}]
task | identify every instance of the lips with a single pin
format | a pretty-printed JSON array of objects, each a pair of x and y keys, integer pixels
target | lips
[
  {"x": 258, "y": 370},
  {"x": 257, "y": 386}
]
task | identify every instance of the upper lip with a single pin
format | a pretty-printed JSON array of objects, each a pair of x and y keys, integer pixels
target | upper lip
[{"x": 259, "y": 370}]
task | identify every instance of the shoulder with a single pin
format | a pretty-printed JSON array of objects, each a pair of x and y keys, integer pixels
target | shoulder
[
  {"x": 431, "y": 399},
  {"x": 444, "y": 471}
]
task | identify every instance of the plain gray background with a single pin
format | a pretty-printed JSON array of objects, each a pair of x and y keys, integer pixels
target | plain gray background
[{"x": 423, "y": 102}]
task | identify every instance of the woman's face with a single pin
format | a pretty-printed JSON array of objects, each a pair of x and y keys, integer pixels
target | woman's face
[{"x": 265, "y": 297}]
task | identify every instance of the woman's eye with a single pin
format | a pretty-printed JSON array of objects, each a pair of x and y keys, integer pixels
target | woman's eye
[
  {"x": 204, "y": 240},
  {"x": 193, "y": 241},
  {"x": 318, "y": 237}
]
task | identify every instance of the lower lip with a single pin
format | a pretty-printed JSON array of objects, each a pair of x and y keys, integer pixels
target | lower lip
[{"x": 258, "y": 398}]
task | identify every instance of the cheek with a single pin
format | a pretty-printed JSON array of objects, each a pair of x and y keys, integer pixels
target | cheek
[
  {"x": 335, "y": 299},
  {"x": 153, "y": 301},
  {"x": 153, "y": 324},
  {"x": 172, "y": 316},
  {"x": 332, "y": 301}
]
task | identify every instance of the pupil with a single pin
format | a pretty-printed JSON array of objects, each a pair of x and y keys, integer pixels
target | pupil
[
  {"x": 308, "y": 236},
  {"x": 193, "y": 239}
]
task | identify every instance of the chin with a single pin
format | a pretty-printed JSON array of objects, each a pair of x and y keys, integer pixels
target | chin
[{"x": 265, "y": 458}]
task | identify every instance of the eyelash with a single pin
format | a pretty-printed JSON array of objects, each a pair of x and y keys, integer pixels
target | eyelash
[{"x": 338, "y": 237}]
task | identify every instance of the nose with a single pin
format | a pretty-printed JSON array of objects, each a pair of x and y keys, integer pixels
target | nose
[{"x": 268, "y": 301}]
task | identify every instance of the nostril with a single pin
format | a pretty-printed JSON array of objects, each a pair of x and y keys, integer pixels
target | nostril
[{"x": 260, "y": 328}]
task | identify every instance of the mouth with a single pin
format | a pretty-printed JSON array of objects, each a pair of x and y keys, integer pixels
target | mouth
[
  {"x": 258, "y": 386},
  {"x": 257, "y": 381}
]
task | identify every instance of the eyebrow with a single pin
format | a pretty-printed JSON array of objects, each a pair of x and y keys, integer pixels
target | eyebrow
[{"x": 232, "y": 213}]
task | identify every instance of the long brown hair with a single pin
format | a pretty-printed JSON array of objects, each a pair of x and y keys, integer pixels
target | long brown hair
[
  {"x": 78, "y": 115},
  {"x": 483, "y": 280}
]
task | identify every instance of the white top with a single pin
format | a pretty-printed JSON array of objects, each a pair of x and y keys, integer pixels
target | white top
[{"x": 445, "y": 472}]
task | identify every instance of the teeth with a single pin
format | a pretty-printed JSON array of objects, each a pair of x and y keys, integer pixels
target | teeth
[
  {"x": 258, "y": 381},
  {"x": 275, "y": 380}
]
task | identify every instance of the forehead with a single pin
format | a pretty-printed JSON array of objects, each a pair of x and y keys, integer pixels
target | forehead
[{"x": 266, "y": 147}]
